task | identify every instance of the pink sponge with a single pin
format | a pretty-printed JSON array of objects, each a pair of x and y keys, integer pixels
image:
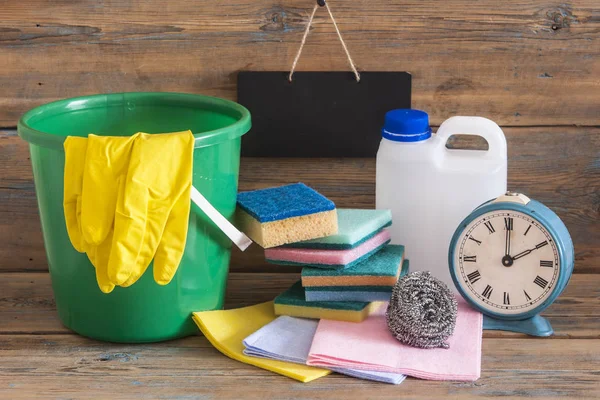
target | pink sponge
[{"x": 320, "y": 258}]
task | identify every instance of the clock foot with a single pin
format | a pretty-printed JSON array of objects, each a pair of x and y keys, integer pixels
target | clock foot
[{"x": 534, "y": 326}]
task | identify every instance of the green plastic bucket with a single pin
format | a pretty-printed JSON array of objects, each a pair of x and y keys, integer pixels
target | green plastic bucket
[{"x": 146, "y": 311}]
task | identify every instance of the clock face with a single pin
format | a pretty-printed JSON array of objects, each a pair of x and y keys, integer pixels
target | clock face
[{"x": 506, "y": 262}]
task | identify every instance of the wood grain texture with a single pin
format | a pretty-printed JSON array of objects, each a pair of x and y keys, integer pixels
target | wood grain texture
[
  {"x": 27, "y": 305},
  {"x": 62, "y": 366},
  {"x": 525, "y": 62},
  {"x": 41, "y": 359},
  {"x": 559, "y": 166}
]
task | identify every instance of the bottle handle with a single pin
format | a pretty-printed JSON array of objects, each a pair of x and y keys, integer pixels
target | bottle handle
[{"x": 475, "y": 126}]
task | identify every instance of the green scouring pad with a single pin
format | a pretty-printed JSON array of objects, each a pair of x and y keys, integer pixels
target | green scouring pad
[
  {"x": 292, "y": 303},
  {"x": 381, "y": 269},
  {"x": 352, "y": 293},
  {"x": 355, "y": 227}
]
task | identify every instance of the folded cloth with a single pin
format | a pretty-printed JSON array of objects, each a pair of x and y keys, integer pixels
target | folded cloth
[
  {"x": 227, "y": 329},
  {"x": 369, "y": 345},
  {"x": 289, "y": 339}
]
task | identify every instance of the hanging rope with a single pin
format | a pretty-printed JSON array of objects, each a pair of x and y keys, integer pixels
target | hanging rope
[
  {"x": 312, "y": 15},
  {"x": 307, "y": 30}
]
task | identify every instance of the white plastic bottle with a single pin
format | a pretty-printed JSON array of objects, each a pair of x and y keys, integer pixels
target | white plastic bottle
[{"x": 430, "y": 188}]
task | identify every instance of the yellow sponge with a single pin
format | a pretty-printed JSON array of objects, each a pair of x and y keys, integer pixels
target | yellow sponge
[
  {"x": 292, "y": 303},
  {"x": 325, "y": 313},
  {"x": 286, "y": 214},
  {"x": 289, "y": 230}
]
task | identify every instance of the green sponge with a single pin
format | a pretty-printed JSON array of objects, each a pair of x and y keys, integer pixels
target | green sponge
[
  {"x": 354, "y": 227},
  {"x": 381, "y": 269},
  {"x": 292, "y": 303},
  {"x": 351, "y": 292}
]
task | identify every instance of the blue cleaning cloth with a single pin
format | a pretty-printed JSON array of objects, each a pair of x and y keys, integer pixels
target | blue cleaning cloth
[
  {"x": 274, "y": 204},
  {"x": 289, "y": 339}
]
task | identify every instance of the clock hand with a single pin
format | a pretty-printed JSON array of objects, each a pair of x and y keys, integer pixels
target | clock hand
[
  {"x": 507, "y": 260},
  {"x": 508, "y": 225},
  {"x": 526, "y": 252},
  {"x": 522, "y": 254},
  {"x": 507, "y": 243}
]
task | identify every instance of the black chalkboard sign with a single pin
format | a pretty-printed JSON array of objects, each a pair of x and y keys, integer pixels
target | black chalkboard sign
[{"x": 319, "y": 114}]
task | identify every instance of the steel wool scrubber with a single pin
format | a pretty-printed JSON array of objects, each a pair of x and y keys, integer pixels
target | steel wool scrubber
[{"x": 422, "y": 311}]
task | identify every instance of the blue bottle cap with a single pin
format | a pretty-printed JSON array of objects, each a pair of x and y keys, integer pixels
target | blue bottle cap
[{"x": 406, "y": 125}]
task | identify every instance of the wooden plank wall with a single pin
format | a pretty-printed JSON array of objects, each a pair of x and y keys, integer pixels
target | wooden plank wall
[
  {"x": 521, "y": 62},
  {"x": 533, "y": 66}
]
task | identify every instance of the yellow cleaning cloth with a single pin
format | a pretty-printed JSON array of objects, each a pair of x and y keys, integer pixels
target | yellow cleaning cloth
[
  {"x": 127, "y": 201},
  {"x": 227, "y": 329}
]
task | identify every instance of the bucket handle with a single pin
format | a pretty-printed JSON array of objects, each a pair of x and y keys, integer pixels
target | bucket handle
[{"x": 238, "y": 238}]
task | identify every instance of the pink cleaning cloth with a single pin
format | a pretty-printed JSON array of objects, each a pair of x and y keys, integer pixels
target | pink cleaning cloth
[
  {"x": 328, "y": 258},
  {"x": 369, "y": 345}
]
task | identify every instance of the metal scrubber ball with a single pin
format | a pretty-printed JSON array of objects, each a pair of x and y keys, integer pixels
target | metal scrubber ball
[{"x": 422, "y": 311}]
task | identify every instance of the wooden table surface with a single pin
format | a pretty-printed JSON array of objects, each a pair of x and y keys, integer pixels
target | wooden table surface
[{"x": 41, "y": 358}]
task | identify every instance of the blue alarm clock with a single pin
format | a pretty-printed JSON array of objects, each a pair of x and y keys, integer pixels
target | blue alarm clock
[{"x": 510, "y": 259}]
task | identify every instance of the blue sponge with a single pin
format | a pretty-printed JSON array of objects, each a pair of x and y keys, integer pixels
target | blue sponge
[
  {"x": 283, "y": 202},
  {"x": 276, "y": 216}
]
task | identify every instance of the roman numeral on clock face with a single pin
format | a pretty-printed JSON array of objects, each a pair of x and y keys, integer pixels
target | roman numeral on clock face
[
  {"x": 490, "y": 227},
  {"x": 470, "y": 258},
  {"x": 487, "y": 292},
  {"x": 474, "y": 277},
  {"x": 506, "y": 298},
  {"x": 541, "y": 282},
  {"x": 548, "y": 264},
  {"x": 527, "y": 230},
  {"x": 508, "y": 223},
  {"x": 475, "y": 240},
  {"x": 526, "y": 295}
]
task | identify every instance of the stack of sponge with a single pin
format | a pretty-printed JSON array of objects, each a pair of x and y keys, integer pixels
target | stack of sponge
[
  {"x": 370, "y": 280},
  {"x": 348, "y": 263},
  {"x": 360, "y": 235}
]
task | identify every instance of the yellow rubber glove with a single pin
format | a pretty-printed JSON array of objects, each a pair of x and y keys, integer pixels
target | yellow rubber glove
[
  {"x": 146, "y": 180},
  {"x": 98, "y": 256},
  {"x": 77, "y": 150},
  {"x": 152, "y": 215},
  {"x": 107, "y": 162}
]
